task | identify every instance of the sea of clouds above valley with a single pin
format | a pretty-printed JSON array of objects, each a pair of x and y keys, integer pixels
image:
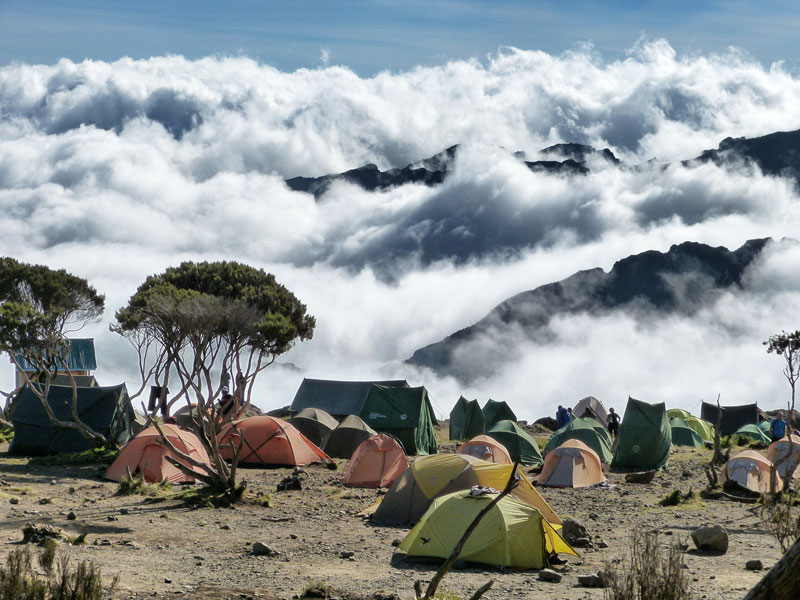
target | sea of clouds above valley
[{"x": 115, "y": 171}]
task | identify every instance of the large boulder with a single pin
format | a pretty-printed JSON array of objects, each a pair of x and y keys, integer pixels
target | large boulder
[{"x": 711, "y": 539}]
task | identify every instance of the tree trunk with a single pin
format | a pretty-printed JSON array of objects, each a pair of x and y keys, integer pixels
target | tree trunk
[{"x": 782, "y": 581}]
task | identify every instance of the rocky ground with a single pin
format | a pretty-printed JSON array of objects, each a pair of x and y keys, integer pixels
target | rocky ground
[{"x": 162, "y": 548}]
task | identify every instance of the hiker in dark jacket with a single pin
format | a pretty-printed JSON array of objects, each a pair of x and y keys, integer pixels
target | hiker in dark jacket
[
  {"x": 562, "y": 417},
  {"x": 613, "y": 422}
]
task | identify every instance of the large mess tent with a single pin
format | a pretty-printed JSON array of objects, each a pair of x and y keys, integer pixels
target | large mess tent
[
  {"x": 433, "y": 476},
  {"x": 520, "y": 445},
  {"x": 645, "y": 437},
  {"x": 391, "y": 407},
  {"x": 733, "y": 417},
  {"x": 511, "y": 534},
  {"x": 587, "y": 430},
  {"x": 104, "y": 409},
  {"x": 466, "y": 420},
  {"x": 147, "y": 454},
  {"x": 405, "y": 413},
  {"x": 337, "y": 398},
  {"x": 495, "y": 411}
]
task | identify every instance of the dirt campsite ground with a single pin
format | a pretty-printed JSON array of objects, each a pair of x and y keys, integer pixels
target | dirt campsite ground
[{"x": 164, "y": 549}]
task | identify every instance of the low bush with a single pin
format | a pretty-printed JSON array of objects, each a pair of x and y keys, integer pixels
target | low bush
[
  {"x": 75, "y": 459},
  {"x": 651, "y": 573}
]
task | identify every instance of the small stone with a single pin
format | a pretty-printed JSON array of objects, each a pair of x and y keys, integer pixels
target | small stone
[
  {"x": 13, "y": 500},
  {"x": 293, "y": 536},
  {"x": 347, "y": 554},
  {"x": 71, "y": 490},
  {"x": 602, "y": 544},
  {"x": 396, "y": 542},
  {"x": 124, "y": 511},
  {"x": 112, "y": 518},
  {"x": 71, "y": 516},
  {"x": 225, "y": 527},
  {"x": 549, "y": 575},
  {"x": 167, "y": 580},
  {"x": 571, "y": 530},
  {"x": 582, "y": 543},
  {"x": 754, "y": 565},
  {"x": 261, "y": 549}
]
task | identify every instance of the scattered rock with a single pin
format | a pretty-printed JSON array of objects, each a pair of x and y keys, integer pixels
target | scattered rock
[
  {"x": 225, "y": 527},
  {"x": 592, "y": 581},
  {"x": 293, "y": 536},
  {"x": 602, "y": 544},
  {"x": 549, "y": 575},
  {"x": 261, "y": 549},
  {"x": 396, "y": 542},
  {"x": 582, "y": 542},
  {"x": 112, "y": 518},
  {"x": 711, "y": 539},
  {"x": 124, "y": 511},
  {"x": 347, "y": 554},
  {"x": 754, "y": 565},
  {"x": 571, "y": 530},
  {"x": 167, "y": 580},
  {"x": 71, "y": 516},
  {"x": 13, "y": 500}
]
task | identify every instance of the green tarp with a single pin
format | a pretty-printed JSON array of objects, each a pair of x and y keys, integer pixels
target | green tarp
[
  {"x": 520, "y": 445},
  {"x": 645, "y": 437},
  {"x": 81, "y": 357},
  {"x": 683, "y": 435},
  {"x": 466, "y": 420},
  {"x": 587, "y": 430},
  {"x": 494, "y": 411},
  {"x": 104, "y": 409},
  {"x": 755, "y": 433},
  {"x": 405, "y": 413}
]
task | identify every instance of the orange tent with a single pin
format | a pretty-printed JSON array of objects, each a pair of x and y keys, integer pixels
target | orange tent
[
  {"x": 147, "y": 454},
  {"x": 268, "y": 441},
  {"x": 377, "y": 462},
  {"x": 779, "y": 449},
  {"x": 486, "y": 448},
  {"x": 572, "y": 464},
  {"x": 751, "y": 470}
]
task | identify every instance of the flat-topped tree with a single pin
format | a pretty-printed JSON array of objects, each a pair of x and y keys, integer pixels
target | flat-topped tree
[
  {"x": 39, "y": 306},
  {"x": 197, "y": 323}
]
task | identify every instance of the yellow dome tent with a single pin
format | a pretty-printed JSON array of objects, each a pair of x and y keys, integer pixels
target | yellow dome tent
[{"x": 511, "y": 534}]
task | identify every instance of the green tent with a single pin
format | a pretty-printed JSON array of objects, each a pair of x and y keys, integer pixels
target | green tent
[
  {"x": 755, "y": 433},
  {"x": 104, "y": 409},
  {"x": 764, "y": 426},
  {"x": 337, "y": 398},
  {"x": 494, "y": 411},
  {"x": 683, "y": 435},
  {"x": 645, "y": 437},
  {"x": 511, "y": 534},
  {"x": 587, "y": 430},
  {"x": 703, "y": 428},
  {"x": 403, "y": 412},
  {"x": 521, "y": 446},
  {"x": 679, "y": 413},
  {"x": 466, "y": 420}
]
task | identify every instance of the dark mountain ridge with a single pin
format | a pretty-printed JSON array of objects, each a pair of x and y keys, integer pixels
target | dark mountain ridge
[
  {"x": 682, "y": 280},
  {"x": 776, "y": 154}
]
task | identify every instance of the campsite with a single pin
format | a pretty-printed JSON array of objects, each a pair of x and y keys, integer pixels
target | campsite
[{"x": 160, "y": 547}]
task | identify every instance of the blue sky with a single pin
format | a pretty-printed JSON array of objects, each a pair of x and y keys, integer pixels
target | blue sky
[{"x": 373, "y": 36}]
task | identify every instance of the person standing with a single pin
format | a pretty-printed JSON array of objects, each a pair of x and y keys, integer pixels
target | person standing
[
  {"x": 570, "y": 414},
  {"x": 562, "y": 417},
  {"x": 777, "y": 427},
  {"x": 613, "y": 422}
]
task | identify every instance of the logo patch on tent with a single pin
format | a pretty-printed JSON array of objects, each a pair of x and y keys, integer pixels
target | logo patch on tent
[
  {"x": 376, "y": 416},
  {"x": 636, "y": 448},
  {"x": 403, "y": 417}
]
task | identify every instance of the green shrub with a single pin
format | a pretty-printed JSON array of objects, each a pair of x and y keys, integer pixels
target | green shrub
[
  {"x": 651, "y": 573},
  {"x": 18, "y": 580}
]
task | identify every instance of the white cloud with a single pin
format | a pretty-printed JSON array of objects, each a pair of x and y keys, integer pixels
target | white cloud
[{"x": 116, "y": 171}]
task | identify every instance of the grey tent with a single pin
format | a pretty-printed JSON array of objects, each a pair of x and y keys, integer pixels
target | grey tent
[
  {"x": 104, "y": 409},
  {"x": 466, "y": 420},
  {"x": 337, "y": 398},
  {"x": 591, "y": 407},
  {"x": 494, "y": 412},
  {"x": 733, "y": 417},
  {"x": 314, "y": 423},
  {"x": 343, "y": 441}
]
